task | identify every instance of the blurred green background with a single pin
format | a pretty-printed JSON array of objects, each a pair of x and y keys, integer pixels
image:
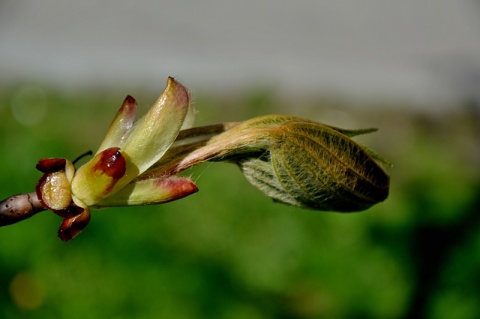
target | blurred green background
[{"x": 229, "y": 251}]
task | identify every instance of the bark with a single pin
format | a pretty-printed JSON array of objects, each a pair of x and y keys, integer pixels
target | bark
[{"x": 19, "y": 207}]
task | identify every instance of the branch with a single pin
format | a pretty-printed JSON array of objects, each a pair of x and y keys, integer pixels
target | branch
[{"x": 19, "y": 207}]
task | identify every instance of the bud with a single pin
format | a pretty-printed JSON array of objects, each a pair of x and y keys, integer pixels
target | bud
[
  {"x": 113, "y": 177},
  {"x": 314, "y": 166},
  {"x": 294, "y": 161},
  {"x": 301, "y": 163}
]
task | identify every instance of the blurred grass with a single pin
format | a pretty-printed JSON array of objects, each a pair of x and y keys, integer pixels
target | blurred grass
[{"x": 229, "y": 251}]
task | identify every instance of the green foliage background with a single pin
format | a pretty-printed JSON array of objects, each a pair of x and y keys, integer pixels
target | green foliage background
[{"x": 229, "y": 251}]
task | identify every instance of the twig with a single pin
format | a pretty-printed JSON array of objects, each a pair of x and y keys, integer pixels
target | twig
[{"x": 19, "y": 207}]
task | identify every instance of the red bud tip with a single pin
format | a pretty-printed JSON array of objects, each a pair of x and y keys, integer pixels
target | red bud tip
[
  {"x": 111, "y": 163},
  {"x": 47, "y": 165}
]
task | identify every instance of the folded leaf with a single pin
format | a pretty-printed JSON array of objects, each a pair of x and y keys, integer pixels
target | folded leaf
[
  {"x": 156, "y": 131},
  {"x": 151, "y": 191},
  {"x": 95, "y": 179},
  {"x": 121, "y": 126}
]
